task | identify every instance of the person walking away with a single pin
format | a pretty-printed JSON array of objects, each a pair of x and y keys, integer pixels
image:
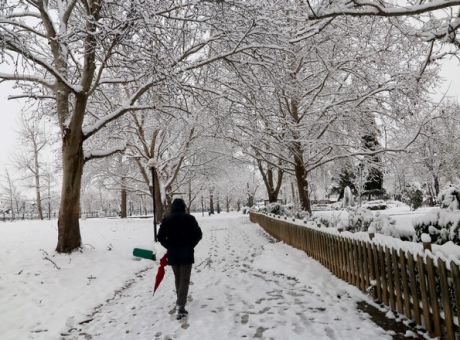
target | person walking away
[{"x": 179, "y": 233}]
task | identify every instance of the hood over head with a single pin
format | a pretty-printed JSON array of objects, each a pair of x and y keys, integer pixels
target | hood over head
[{"x": 178, "y": 205}]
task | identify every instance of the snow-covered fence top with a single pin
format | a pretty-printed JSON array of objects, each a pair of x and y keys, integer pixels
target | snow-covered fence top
[{"x": 424, "y": 288}]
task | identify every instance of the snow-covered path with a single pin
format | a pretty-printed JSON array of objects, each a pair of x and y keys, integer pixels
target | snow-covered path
[{"x": 244, "y": 285}]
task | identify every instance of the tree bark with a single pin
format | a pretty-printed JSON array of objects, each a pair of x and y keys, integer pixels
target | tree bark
[
  {"x": 37, "y": 180},
  {"x": 69, "y": 237},
  {"x": 301, "y": 178},
  {"x": 299, "y": 166},
  {"x": 302, "y": 187},
  {"x": 268, "y": 178},
  {"x": 123, "y": 210},
  {"x": 160, "y": 211},
  {"x": 211, "y": 205},
  {"x": 436, "y": 185}
]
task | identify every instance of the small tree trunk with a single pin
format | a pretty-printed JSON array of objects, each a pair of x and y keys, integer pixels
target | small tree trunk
[
  {"x": 123, "y": 207},
  {"x": 37, "y": 187},
  {"x": 189, "y": 196},
  {"x": 49, "y": 196},
  {"x": 211, "y": 205},
  {"x": 293, "y": 193},
  {"x": 160, "y": 210},
  {"x": 69, "y": 237}
]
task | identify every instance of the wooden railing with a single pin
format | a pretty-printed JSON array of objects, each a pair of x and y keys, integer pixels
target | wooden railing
[{"x": 420, "y": 286}]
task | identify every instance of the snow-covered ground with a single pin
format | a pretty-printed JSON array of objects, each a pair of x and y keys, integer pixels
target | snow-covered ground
[{"x": 244, "y": 285}]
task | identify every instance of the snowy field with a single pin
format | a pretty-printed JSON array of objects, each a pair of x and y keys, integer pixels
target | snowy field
[{"x": 244, "y": 285}]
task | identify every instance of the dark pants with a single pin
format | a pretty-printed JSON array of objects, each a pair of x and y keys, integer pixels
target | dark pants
[{"x": 182, "y": 278}]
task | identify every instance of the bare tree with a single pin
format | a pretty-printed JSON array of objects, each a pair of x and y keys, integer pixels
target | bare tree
[
  {"x": 33, "y": 141},
  {"x": 11, "y": 195}
]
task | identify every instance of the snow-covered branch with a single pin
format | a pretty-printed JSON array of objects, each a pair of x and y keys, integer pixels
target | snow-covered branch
[
  {"x": 378, "y": 8},
  {"x": 90, "y": 155},
  {"x": 92, "y": 129},
  {"x": 11, "y": 45},
  {"x": 26, "y": 78}
]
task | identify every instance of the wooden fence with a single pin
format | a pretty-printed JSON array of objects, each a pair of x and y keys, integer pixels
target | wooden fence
[{"x": 419, "y": 287}]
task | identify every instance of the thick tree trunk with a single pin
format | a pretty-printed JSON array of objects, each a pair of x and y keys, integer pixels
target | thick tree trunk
[
  {"x": 268, "y": 178},
  {"x": 299, "y": 166},
  {"x": 302, "y": 187},
  {"x": 301, "y": 177},
  {"x": 272, "y": 196},
  {"x": 69, "y": 237},
  {"x": 436, "y": 185}
]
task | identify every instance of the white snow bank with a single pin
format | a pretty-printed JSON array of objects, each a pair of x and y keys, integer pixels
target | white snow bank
[{"x": 37, "y": 299}]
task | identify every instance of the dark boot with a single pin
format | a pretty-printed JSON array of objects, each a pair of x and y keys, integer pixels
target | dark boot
[{"x": 181, "y": 313}]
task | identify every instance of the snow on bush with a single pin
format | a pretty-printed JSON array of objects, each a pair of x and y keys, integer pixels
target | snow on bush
[
  {"x": 426, "y": 238},
  {"x": 364, "y": 220},
  {"x": 287, "y": 210},
  {"x": 336, "y": 219},
  {"x": 246, "y": 210},
  {"x": 450, "y": 198},
  {"x": 442, "y": 224},
  {"x": 361, "y": 220}
]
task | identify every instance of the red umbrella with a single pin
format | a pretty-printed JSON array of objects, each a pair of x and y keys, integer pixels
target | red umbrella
[{"x": 160, "y": 272}]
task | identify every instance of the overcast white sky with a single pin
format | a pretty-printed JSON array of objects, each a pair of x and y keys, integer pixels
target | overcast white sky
[
  {"x": 9, "y": 114},
  {"x": 10, "y": 110}
]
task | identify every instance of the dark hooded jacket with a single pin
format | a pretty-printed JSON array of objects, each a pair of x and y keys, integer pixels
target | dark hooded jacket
[{"x": 179, "y": 233}]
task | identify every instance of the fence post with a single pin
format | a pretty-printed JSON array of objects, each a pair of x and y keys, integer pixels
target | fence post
[
  {"x": 446, "y": 307},
  {"x": 426, "y": 241}
]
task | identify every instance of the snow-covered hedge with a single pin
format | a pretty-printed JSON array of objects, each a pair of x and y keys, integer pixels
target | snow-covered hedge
[
  {"x": 287, "y": 210},
  {"x": 450, "y": 198},
  {"x": 442, "y": 224},
  {"x": 361, "y": 220}
]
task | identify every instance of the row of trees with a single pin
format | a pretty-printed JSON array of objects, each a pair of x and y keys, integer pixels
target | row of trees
[{"x": 192, "y": 88}]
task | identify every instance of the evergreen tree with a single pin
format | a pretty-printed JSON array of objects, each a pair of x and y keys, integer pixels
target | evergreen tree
[
  {"x": 346, "y": 179},
  {"x": 374, "y": 180}
]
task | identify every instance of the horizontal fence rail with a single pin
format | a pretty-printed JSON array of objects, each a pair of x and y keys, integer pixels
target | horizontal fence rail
[{"x": 423, "y": 288}]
